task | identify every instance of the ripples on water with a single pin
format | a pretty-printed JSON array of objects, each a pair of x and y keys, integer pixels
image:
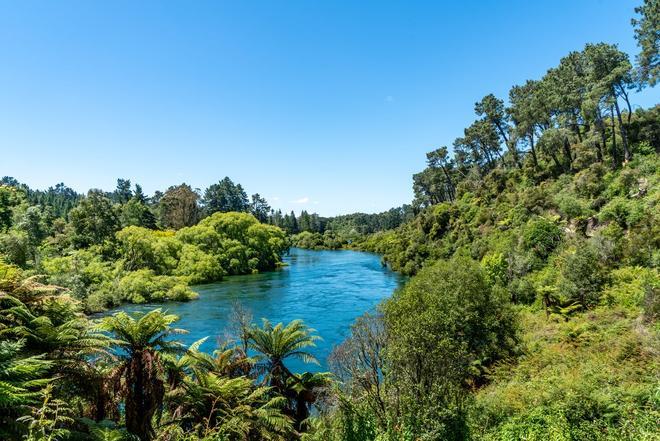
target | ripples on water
[{"x": 326, "y": 289}]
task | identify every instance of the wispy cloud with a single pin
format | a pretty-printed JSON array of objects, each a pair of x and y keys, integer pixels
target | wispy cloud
[
  {"x": 274, "y": 198},
  {"x": 389, "y": 99},
  {"x": 302, "y": 200}
]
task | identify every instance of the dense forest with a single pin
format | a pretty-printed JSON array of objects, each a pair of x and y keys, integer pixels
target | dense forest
[{"x": 531, "y": 312}]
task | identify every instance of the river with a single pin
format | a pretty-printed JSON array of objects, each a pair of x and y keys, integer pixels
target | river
[{"x": 326, "y": 289}]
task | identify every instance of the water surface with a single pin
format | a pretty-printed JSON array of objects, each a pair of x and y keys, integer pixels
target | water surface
[{"x": 326, "y": 289}]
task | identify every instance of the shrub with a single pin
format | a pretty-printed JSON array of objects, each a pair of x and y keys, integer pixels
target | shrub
[
  {"x": 581, "y": 275},
  {"x": 541, "y": 236},
  {"x": 630, "y": 286},
  {"x": 625, "y": 212},
  {"x": 198, "y": 266},
  {"x": 445, "y": 326}
]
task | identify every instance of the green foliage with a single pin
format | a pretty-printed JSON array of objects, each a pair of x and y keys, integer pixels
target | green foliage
[
  {"x": 625, "y": 212},
  {"x": 647, "y": 30},
  {"x": 59, "y": 379},
  {"x": 495, "y": 268},
  {"x": 21, "y": 378},
  {"x": 151, "y": 265},
  {"x": 445, "y": 327},
  {"x": 9, "y": 198},
  {"x": 541, "y": 236},
  {"x": 197, "y": 266},
  {"x": 141, "y": 248},
  {"x": 631, "y": 287},
  {"x": 94, "y": 220},
  {"x": 143, "y": 340},
  {"x": 135, "y": 212},
  {"x": 589, "y": 378},
  {"x": 225, "y": 196},
  {"x": 145, "y": 286},
  {"x": 531, "y": 314}
]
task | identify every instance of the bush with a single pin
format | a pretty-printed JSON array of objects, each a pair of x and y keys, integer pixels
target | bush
[
  {"x": 198, "y": 266},
  {"x": 541, "y": 236},
  {"x": 625, "y": 212},
  {"x": 144, "y": 286},
  {"x": 630, "y": 286},
  {"x": 581, "y": 275},
  {"x": 445, "y": 327}
]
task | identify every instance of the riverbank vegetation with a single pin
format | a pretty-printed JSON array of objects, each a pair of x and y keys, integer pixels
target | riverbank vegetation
[
  {"x": 110, "y": 248},
  {"x": 63, "y": 376},
  {"x": 531, "y": 312}
]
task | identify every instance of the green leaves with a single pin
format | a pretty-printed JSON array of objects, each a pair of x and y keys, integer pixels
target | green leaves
[
  {"x": 277, "y": 343},
  {"x": 647, "y": 34},
  {"x": 150, "y": 331}
]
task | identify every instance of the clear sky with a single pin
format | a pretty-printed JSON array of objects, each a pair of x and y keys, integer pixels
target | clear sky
[{"x": 325, "y": 106}]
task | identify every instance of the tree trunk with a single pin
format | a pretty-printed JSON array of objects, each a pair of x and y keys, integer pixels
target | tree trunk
[
  {"x": 531, "y": 143},
  {"x": 627, "y": 100},
  {"x": 603, "y": 136},
  {"x": 553, "y": 155},
  {"x": 615, "y": 155},
  {"x": 568, "y": 153},
  {"x": 624, "y": 136},
  {"x": 599, "y": 152},
  {"x": 450, "y": 183}
]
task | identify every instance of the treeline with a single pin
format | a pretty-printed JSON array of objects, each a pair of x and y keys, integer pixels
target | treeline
[
  {"x": 344, "y": 230},
  {"x": 578, "y": 114},
  {"x": 345, "y": 225},
  {"x": 122, "y": 246}
]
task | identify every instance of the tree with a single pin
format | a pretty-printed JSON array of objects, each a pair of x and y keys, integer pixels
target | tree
[
  {"x": 60, "y": 199},
  {"x": 122, "y": 193},
  {"x": 259, "y": 208},
  {"x": 565, "y": 89},
  {"x": 9, "y": 197},
  {"x": 290, "y": 223},
  {"x": 274, "y": 345},
  {"x": 492, "y": 110},
  {"x": 94, "y": 220},
  {"x": 304, "y": 390},
  {"x": 225, "y": 196},
  {"x": 528, "y": 115},
  {"x": 143, "y": 340},
  {"x": 35, "y": 222},
  {"x": 304, "y": 221},
  {"x": 439, "y": 159},
  {"x": 610, "y": 78},
  {"x": 179, "y": 207},
  {"x": 136, "y": 212},
  {"x": 441, "y": 327},
  {"x": 479, "y": 148},
  {"x": 647, "y": 34},
  {"x": 359, "y": 363},
  {"x": 139, "y": 194},
  {"x": 210, "y": 394}
]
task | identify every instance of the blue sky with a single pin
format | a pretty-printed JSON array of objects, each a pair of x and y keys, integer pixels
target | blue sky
[{"x": 324, "y": 106}]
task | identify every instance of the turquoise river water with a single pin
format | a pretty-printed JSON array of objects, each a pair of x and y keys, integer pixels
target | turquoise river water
[{"x": 326, "y": 289}]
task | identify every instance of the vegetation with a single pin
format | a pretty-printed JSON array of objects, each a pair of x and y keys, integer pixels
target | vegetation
[
  {"x": 65, "y": 376},
  {"x": 110, "y": 248},
  {"x": 531, "y": 312}
]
